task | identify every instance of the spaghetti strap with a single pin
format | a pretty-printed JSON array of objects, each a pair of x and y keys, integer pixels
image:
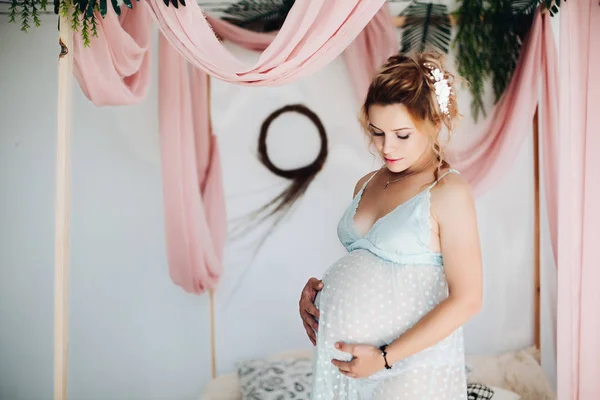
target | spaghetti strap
[
  {"x": 369, "y": 180},
  {"x": 451, "y": 170}
]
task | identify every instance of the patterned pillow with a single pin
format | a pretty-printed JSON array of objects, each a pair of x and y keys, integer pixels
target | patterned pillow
[
  {"x": 478, "y": 391},
  {"x": 275, "y": 379}
]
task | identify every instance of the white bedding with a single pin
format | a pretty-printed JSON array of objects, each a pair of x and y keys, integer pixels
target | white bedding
[{"x": 519, "y": 372}]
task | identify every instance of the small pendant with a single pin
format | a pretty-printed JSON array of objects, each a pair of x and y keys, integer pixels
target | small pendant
[{"x": 386, "y": 185}]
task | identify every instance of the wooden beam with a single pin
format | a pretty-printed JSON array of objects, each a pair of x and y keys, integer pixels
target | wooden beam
[
  {"x": 536, "y": 241},
  {"x": 62, "y": 210},
  {"x": 213, "y": 353},
  {"x": 211, "y": 292}
]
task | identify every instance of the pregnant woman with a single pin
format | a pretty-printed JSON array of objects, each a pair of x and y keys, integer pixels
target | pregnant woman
[{"x": 386, "y": 319}]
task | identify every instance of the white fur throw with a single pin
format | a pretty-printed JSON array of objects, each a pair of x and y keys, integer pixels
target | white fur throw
[{"x": 519, "y": 372}]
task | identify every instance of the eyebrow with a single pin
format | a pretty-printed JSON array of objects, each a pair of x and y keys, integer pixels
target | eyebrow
[{"x": 393, "y": 130}]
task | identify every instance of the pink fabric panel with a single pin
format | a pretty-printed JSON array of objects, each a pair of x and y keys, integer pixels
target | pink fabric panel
[
  {"x": 126, "y": 69},
  {"x": 194, "y": 204},
  {"x": 578, "y": 325},
  {"x": 314, "y": 33},
  {"x": 370, "y": 50},
  {"x": 194, "y": 262},
  {"x": 250, "y": 40},
  {"x": 115, "y": 69},
  {"x": 210, "y": 179},
  {"x": 484, "y": 161},
  {"x": 549, "y": 129}
]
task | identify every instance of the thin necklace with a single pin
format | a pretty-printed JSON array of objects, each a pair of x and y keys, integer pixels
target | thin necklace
[{"x": 404, "y": 176}]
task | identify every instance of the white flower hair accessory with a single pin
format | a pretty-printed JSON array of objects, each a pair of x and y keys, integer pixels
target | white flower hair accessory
[{"x": 442, "y": 87}]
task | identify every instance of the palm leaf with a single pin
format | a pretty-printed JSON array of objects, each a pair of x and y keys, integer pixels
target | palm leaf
[
  {"x": 529, "y": 6},
  {"x": 489, "y": 39},
  {"x": 426, "y": 24},
  {"x": 261, "y": 15}
]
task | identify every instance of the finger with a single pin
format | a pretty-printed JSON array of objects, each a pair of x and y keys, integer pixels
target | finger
[
  {"x": 309, "y": 329},
  {"x": 348, "y": 374},
  {"x": 307, "y": 300},
  {"x": 313, "y": 323},
  {"x": 316, "y": 284},
  {"x": 310, "y": 286},
  {"x": 310, "y": 333},
  {"x": 342, "y": 365},
  {"x": 309, "y": 319},
  {"x": 345, "y": 347},
  {"x": 312, "y": 310}
]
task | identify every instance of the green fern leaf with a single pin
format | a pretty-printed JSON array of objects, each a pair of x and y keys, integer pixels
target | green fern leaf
[
  {"x": 261, "y": 15},
  {"x": 426, "y": 24}
]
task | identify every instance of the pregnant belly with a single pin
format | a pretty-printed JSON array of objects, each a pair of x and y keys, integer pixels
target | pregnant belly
[{"x": 369, "y": 300}]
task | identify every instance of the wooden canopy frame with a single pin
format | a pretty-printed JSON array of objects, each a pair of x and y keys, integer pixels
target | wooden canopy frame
[{"x": 63, "y": 206}]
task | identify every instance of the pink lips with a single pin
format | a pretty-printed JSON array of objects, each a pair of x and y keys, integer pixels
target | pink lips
[{"x": 392, "y": 160}]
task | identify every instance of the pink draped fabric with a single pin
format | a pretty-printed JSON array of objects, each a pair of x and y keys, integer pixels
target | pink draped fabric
[
  {"x": 193, "y": 196},
  {"x": 578, "y": 325},
  {"x": 194, "y": 205},
  {"x": 195, "y": 229},
  {"x": 370, "y": 50},
  {"x": 549, "y": 130},
  {"x": 116, "y": 71},
  {"x": 247, "y": 39},
  {"x": 484, "y": 162},
  {"x": 195, "y": 269},
  {"x": 314, "y": 33}
]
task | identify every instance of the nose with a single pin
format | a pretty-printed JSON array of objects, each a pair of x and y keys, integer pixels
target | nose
[{"x": 389, "y": 145}]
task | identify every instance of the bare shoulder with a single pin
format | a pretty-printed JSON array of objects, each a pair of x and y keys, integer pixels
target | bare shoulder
[
  {"x": 452, "y": 194},
  {"x": 362, "y": 181}
]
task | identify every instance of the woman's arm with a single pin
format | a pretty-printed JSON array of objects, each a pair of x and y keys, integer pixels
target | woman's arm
[{"x": 453, "y": 207}]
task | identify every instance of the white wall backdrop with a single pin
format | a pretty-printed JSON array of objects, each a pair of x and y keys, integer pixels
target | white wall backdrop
[{"x": 134, "y": 334}]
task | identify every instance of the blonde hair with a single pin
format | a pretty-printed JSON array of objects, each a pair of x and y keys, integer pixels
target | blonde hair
[{"x": 406, "y": 79}]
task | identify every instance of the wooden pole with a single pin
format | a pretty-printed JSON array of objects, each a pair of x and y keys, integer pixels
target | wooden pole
[
  {"x": 537, "y": 248},
  {"x": 213, "y": 358},
  {"x": 213, "y": 353},
  {"x": 62, "y": 210}
]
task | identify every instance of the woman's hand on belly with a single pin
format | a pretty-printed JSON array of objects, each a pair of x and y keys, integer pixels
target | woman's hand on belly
[
  {"x": 308, "y": 312},
  {"x": 367, "y": 360}
]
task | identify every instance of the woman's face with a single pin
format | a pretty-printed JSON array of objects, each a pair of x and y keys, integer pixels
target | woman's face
[{"x": 399, "y": 142}]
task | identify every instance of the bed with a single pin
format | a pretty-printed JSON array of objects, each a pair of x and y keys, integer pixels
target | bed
[{"x": 519, "y": 372}]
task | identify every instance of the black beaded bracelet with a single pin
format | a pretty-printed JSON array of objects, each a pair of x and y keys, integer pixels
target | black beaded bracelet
[{"x": 384, "y": 354}]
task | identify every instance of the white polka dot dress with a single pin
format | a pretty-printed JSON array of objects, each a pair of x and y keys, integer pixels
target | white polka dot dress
[{"x": 386, "y": 283}]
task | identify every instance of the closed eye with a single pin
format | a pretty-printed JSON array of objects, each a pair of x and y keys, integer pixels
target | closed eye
[{"x": 376, "y": 133}]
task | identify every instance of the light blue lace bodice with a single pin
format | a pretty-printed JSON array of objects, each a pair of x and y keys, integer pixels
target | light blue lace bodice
[{"x": 401, "y": 236}]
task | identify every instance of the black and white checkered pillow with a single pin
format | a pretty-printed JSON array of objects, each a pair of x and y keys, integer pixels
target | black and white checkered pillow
[
  {"x": 263, "y": 379},
  {"x": 478, "y": 391}
]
